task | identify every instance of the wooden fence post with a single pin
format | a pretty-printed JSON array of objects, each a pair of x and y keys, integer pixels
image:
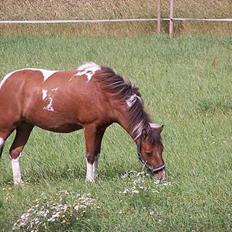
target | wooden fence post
[
  {"x": 171, "y": 22},
  {"x": 158, "y": 16}
]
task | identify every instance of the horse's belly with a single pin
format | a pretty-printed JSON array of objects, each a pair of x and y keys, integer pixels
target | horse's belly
[
  {"x": 66, "y": 128},
  {"x": 54, "y": 122}
]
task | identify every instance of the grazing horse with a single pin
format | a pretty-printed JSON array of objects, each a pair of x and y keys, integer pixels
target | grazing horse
[{"x": 91, "y": 98}]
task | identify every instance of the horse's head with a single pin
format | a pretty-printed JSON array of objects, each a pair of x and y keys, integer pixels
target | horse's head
[{"x": 150, "y": 149}]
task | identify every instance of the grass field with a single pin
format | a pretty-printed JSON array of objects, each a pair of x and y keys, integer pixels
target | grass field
[{"x": 186, "y": 84}]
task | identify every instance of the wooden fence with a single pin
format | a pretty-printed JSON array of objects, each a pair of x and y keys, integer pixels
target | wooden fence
[{"x": 171, "y": 19}]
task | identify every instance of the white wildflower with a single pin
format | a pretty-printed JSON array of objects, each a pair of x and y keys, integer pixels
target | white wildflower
[
  {"x": 135, "y": 191},
  {"x": 37, "y": 217},
  {"x": 151, "y": 213},
  {"x": 141, "y": 181}
]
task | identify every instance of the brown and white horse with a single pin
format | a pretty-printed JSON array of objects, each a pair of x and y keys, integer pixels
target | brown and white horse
[{"x": 91, "y": 98}]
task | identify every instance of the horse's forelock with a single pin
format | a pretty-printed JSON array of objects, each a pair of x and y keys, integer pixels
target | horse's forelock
[{"x": 154, "y": 137}]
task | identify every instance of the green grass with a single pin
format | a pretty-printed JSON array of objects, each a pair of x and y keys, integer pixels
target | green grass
[{"x": 186, "y": 85}]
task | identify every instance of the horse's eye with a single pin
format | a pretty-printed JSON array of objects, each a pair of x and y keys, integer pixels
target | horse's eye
[{"x": 148, "y": 154}]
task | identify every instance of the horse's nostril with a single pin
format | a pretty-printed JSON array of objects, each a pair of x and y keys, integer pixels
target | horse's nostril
[{"x": 162, "y": 175}]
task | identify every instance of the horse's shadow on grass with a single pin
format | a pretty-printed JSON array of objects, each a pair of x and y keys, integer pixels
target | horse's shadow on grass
[{"x": 67, "y": 174}]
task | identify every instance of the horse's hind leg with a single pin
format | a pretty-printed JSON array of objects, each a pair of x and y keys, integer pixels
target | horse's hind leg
[
  {"x": 4, "y": 134},
  {"x": 22, "y": 134}
]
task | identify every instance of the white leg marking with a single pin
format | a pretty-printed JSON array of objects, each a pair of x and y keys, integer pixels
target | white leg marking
[
  {"x": 16, "y": 171},
  {"x": 89, "y": 173},
  {"x": 95, "y": 166}
]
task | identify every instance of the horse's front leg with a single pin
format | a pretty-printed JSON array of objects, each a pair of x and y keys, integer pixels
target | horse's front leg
[{"x": 93, "y": 139}]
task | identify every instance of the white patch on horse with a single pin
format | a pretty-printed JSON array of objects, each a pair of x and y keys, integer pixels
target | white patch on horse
[
  {"x": 88, "y": 70},
  {"x": 46, "y": 74},
  {"x": 132, "y": 100},
  {"x": 44, "y": 94},
  {"x": 138, "y": 130},
  {"x": 48, "y": 99},
  {"x": 49, "y": 107}
]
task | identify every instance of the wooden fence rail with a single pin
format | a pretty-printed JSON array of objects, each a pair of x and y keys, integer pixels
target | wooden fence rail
[
  {"x": 78, "y": 21},
  {"x": 172, "y": 19},
  {"x": 159, "y": 18}
]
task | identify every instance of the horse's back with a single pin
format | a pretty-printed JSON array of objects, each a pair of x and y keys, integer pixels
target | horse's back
[{"x": 23, "y": 94}]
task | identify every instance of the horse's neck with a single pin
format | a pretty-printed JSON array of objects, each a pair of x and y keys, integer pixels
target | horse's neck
[{"x": 134, "y": 129}]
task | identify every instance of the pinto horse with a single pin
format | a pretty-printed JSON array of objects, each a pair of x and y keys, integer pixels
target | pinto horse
[{"x": 91, "y": 97}]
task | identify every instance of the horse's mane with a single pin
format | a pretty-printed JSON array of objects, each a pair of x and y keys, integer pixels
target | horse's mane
[{"x": 126, "y": 93}]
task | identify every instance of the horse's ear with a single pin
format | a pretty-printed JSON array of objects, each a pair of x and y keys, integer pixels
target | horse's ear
[
  {"x": 159, "y": 129},
  {"x": 144, "y": 134}
]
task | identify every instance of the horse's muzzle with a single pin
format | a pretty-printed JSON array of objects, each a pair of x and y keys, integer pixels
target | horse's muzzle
[{"x": 161, "y": 175}]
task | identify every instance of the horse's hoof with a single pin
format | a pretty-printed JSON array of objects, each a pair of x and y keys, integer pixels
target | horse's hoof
[
  {"x": 90, "y": 180},
  {"x": 21, "y": 183}
]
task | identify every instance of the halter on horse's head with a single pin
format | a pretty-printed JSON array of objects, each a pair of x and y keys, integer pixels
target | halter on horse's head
[{"x": 150, "y": 149}]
